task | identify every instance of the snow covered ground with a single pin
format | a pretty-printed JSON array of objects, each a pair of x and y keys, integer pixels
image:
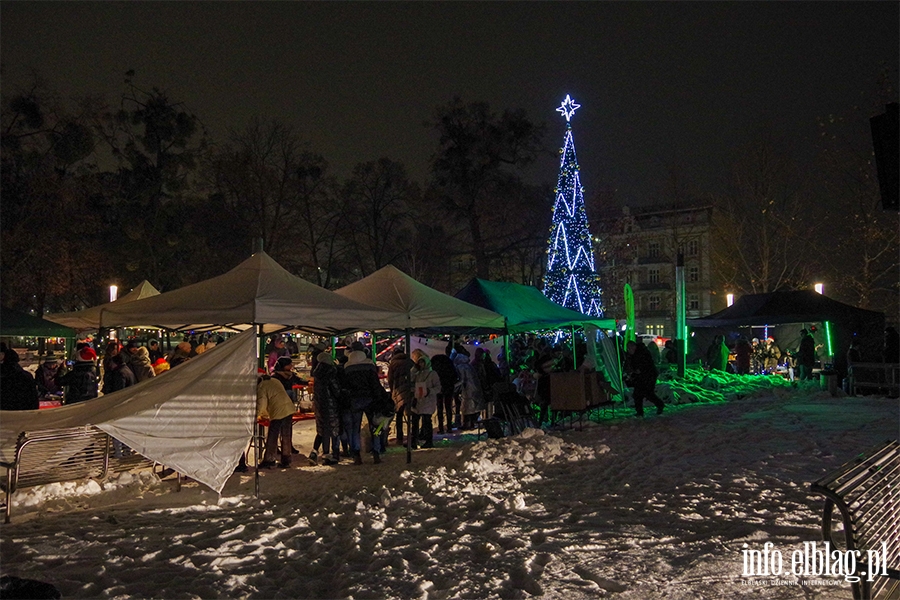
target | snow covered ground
[{"x": 625, "y": 508}]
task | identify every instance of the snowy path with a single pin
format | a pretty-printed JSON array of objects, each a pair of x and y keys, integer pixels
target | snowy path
[{"x": 627, "y": 508}]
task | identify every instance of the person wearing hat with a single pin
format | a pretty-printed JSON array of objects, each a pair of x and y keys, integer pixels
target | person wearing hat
[
  {"x": 272, "y": 402},
  {"x": 326, "y": 396},
  {"x": 17, "y": 388},
  {"x": 275, "y": 351},
  {"x": 45, "y": 377},
  {"x": 363, "y": 388},
  {"x": 80, "y": 382},
  {"x": 180, "y": 354}
]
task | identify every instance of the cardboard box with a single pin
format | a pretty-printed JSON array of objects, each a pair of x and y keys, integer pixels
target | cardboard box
[{"x": 576, "y": 391}]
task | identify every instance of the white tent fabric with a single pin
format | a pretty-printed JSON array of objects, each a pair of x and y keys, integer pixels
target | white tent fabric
[
  {"x": 258, "y": 290},
  {"x": 196, "y": 418},
  {"x": 89, "y": 318},
  {"x": 424, "y": 307}
]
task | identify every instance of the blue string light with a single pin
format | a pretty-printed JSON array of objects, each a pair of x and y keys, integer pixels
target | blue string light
[{"x": 571, "y": 279}]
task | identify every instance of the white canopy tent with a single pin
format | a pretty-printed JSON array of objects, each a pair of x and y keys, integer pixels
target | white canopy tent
[
  {"x": 258, "y": 291},
  {"x": 89, "y": 318},
  {"x": 424, "y": 308},
  {"x": 196, "y": 418}
]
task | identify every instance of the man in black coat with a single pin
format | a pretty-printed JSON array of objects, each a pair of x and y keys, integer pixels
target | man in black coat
[
  {"x": 18, "y": 390},
  {"x": 642, "y": 376}
]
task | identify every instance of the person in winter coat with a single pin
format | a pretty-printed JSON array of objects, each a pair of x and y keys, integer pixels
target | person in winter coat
[
  {"x": 45, "y": 378},
  {"x": 401, "y": 387},
  {"x": 140, "y": 364},
  {"x": 642, "y": 375},
  {"x": 443, "y": 366},
  {"x": 326, "y": 395},
  {"x": 118, "y": 376},
  {"x": 742, "y": 351},
  {"x": 426, "y": 387},
  {"x": 275, "y": 351},
  {"x": 717, "y": 354},
  {"x": 17, "y": 388},
  {"x": 488, "y": 372},
  {"x": 180, "y": 354},
  {"x": 272, "y": 402},
  {"x": 80, "y": 382},
  {"x": 806, "y": 354},
  {"x": 471, "y": 398},
  {"x": 362, "y": 388}
]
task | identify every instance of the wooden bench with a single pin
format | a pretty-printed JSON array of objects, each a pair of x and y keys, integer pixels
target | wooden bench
[
  {"x": 866, "y": 491},
  {"x": 56, "y": 455}
]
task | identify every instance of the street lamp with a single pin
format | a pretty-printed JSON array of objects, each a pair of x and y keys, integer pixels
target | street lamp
[
  {"x": 729, "y": 299},
  {"x": 113, "y": 296},
  {"x": 820, "y": 288}
]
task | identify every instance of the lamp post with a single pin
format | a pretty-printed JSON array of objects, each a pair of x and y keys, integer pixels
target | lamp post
[
  {"x": 729, "y": 299},
  {"x": 820, "y": 288},
  {"x": 113, "y": 296}
]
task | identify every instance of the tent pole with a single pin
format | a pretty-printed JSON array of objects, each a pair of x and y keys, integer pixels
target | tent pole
[
  {"x": 408, "y": 410},
  {"x": 257, "y": 428},
  {"x": 506, "y": 376},
  {"x": 574, "y": 357},
  {"x": 374, "y": 348}
]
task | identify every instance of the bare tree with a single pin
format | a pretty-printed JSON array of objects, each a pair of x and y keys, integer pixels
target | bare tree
[
  {"x": 765, "y": 226},
  {"x": 380, "y": 203}
]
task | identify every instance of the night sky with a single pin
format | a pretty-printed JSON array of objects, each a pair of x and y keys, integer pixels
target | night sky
[{"x": 662, "y": 85}]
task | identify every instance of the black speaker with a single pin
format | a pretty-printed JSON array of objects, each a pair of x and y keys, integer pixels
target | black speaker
[{"x": 886, "y": 140}]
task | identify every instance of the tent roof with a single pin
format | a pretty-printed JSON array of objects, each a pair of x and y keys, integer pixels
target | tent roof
[
  {"x": 13, "y": 322},
  {"x": 89, "y": 318},
  {"x": 259, "y": 291},
  {"x": 525, "y": 307},
  {"x": 425, "y": 308},
  {"x": 778, "y": 308}
]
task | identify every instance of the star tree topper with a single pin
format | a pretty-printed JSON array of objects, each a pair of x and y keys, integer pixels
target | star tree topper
[{"x": 568, "y": 108}]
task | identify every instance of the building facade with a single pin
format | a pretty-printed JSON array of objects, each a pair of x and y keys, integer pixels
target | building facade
[{"x": 640, "y": 247}]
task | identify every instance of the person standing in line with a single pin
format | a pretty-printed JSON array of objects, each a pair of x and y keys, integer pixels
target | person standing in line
[
  {"x": 361, "y": 383},
  {"x": 426, "y": 387},
  {"x": 326, "y": 395},
  {"x": 155, "y": 351},
  {"x": 272, "y": 402},
  {"x": 742, "y": 351},
  {"x": 443, "y": 366},
  {"x": 642, "y": 375},
  {"x": 399, "y": 381},
  {"x": 471, "y": 399}
]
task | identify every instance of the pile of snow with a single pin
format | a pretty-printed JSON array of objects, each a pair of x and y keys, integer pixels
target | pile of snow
[{"x": 129, "y": 483}]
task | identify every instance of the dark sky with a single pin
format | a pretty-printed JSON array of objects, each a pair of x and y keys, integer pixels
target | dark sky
[{"x": 660, "y": 83}]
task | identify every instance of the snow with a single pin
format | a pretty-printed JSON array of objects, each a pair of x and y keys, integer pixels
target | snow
[{"x": 660, "y": 507}]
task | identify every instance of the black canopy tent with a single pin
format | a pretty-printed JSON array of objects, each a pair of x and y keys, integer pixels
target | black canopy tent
[{"x": 846, "y": 322}]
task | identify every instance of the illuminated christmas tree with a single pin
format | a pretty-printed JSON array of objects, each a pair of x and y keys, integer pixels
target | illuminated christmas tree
[{"x": 570, "y": 279}]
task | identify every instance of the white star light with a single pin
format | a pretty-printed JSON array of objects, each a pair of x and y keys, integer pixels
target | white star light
[{"x": 568, "y": 108}]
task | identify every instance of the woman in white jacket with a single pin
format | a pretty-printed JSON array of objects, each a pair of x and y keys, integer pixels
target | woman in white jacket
[{"x": 426, "y": 386}]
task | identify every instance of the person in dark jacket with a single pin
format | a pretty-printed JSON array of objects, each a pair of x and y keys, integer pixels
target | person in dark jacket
[
  {"x": 326, "y": 395},
  {"x": 362, "y": 387},
  {"x": 806, "y": 354},
  {"x": 80, "y": 382},
  {"x": 642, "y": 375},
  {"x": 401, "y": 387},
  {"x": 443, "y": 366},
  {"x": 742, "y": 352},
  {"x": 17, "y": 388},
  {"x": 119, "y": 376}
]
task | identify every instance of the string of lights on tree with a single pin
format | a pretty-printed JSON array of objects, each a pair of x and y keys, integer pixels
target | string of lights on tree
[{"x": 571, "y": 279}]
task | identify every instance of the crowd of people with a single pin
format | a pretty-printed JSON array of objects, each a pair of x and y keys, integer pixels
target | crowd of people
[{"x": 86, "y": 375}]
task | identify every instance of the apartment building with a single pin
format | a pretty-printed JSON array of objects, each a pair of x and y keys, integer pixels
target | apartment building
[{"x": 640, "y": 247}]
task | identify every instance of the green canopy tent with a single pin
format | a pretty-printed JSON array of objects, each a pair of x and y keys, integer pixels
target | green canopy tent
[
  {"x": 527, "y": 309},
  {"x": 14, "y": 324}
]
